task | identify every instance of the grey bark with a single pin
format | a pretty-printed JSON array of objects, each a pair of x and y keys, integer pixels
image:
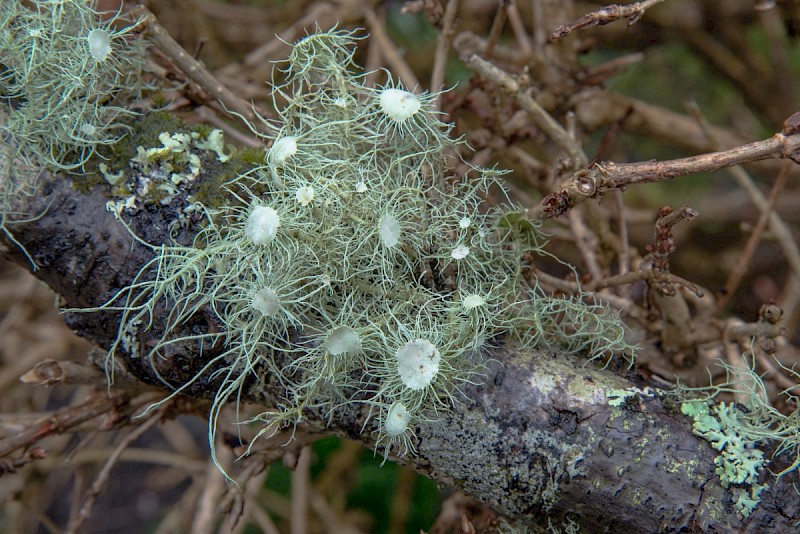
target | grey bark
[{"x": 538, "y": 440}]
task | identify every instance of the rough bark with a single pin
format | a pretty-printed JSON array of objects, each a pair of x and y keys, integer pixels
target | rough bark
[{"x": 538, "y": 440}]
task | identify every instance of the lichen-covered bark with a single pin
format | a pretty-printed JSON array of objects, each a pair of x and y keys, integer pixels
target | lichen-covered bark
[{"x": 537, "y": 440}]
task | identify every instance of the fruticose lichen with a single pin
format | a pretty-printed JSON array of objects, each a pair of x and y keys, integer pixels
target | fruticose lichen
[
  {"x": 355, "y": 266},
  {"x": 64, "y": 65},
  {"x": 64, "y": 71}
]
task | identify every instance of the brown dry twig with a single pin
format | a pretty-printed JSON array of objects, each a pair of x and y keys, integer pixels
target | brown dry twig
[
  {"x": 603, "y": 177},
  {"x": 467, "y": 46},
  {"x": 192, "y": 68},
  {"x": 391, "y": 55},
  {"x": 97, "y": 404},
  {"x": 738, "y": 271},
  {"x": 605, "y": 15},
  {"x": 645, "y": 275},
  {"x": 663, "y": 242},
  {"x": 102, "y": 477},
  {"x": 31, "y": 455},
  {"x": 432, "y": 8},
  {"x": 442, "y": 48},
  {"x": 50, "y": 372}
]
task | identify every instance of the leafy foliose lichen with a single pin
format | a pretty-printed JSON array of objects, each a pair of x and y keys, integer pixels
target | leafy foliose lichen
[
  {"x": 739, "y": 462},
  {"x": 355, "y": 266},
  {"x": 736, "y": 431}
]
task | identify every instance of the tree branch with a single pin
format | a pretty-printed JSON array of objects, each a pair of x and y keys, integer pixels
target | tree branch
[
  {"x": 601, "y": 178},
  {"x": 538, "y": 439},
  {"x": 606, "y": 15}
]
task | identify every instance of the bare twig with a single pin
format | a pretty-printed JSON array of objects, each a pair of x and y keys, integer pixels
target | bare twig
[
  {"x": 377, "y": 30},
  {"x": 102, "y": 477},
  {"x": 208, "y": 505},
  {"x": 195, "y": 70},
  {"x": 518, "y": 27},
  {"x": 321, "y": 13},
  {"x": 432, "y": 8},
  {"x": 505, "y": 81},
  {"x": 738, "y": 271},
  {"x": 643, "y": 274},
  {"x": 401, "y": 502},
  {"x": 783, "y": 234},
  {"x": 610, "y": 13},
  {"x": 31, "y": 455},
  {"x": 603, "y": 177},
  {"x": 538, "y": 26},
  {"x": 586, "y": 242},
  {"x": 496, "y": 30},
  {"x": 599, "y": 73},
  {"x": 442, "y": 48},
  {"x": 97, "y": 404},
  {"x": 663, "y": 241},
  {"x": 789, "y": 385},
  {"x": 300, "y": 492},
  {"x": 624, "y": 250},
  {"x": 49, "y": 372}
]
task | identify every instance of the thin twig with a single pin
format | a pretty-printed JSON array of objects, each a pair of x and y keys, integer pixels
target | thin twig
[
  {"x": 603, "y": 177},
  {"x": 496, "y": 30},
  {"x": 733, "y": 355},
  {"x": 738, "y": 271},
  {"x": 538, "y": 28},
  {"x": 643, "y": 274},
  {"x": 442, "y": 49},
  {"x": 373, "y": 64},
  {"x": 783, "y": 234},
  {"x": 586, "y": 242},
  {"x": 30, "y": 455},
  {"x": 213, "y": 488},
  {"x": 98, "y": 404},
  {"x": 389, "y": 51},
  {"x": 300, "y": 492},
  {"x": 621, "y": 303},
  {"x": 320, "y": 13},
  {"x": 102, "y": 477},
  {"x": 605, "y": 15},
  {"x": 195, "y": 70},
  {"x": 518, "y": 27},
  {"x": 401, "y": 501},
  {"x": 775, "y": 373},
  {"x": 624, "y": 250},
  {"x": 505, "y": 81},
  {"x": 49, "y": 372}
]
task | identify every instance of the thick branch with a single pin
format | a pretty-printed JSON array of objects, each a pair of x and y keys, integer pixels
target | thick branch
[{"x": 538, "y": 439}]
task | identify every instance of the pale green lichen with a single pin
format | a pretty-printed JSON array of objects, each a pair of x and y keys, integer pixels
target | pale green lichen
[
  {"x": 154, "y": 174},
  {"x": 617, "y": 397},
  {"x": 65, "y": 70},
  {"x": 354, "y": 223},
  {"x": 739, "y": 462},
  {"x": 736, "y": 432}
]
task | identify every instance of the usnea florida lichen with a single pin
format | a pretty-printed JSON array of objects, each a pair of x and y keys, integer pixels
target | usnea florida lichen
[
  {"x": 355, "y": 266},
  {"x": 65, "y": 70}
]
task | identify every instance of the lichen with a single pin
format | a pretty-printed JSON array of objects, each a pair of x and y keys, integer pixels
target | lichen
[
  {"x": 391, "y": 245},
  {"x": 736, "y": 431},
  {"x": 64, "y": 68}
]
